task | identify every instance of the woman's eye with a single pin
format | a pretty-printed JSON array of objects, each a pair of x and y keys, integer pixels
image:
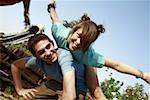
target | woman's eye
[{"x": 79, "y": 35}]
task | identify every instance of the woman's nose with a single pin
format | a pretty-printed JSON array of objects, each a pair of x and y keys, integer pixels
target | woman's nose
[{"x": 78, "y": 41}]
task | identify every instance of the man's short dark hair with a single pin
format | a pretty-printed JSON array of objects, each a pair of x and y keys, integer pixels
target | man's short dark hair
[{"x": 35, "y": 39}]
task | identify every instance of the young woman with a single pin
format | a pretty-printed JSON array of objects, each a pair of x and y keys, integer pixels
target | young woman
[{"x": 79, "y": 39}]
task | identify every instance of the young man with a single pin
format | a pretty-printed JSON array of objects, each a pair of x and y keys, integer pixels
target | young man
[{"x": 57, "y": 64}]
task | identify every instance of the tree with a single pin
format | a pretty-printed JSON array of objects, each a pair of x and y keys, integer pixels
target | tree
[
  {"x": 111, "y": 89},
  {"x": 135, "y": 93}
]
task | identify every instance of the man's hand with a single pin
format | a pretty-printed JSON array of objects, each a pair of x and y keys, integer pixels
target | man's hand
[{"x": 27, "y": 93}]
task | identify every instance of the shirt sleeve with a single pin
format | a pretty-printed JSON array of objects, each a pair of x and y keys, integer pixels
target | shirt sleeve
[
  {"x": 31, "y": 61},
  {"x": 65, "y": 60},
  {"x": 90, "y": 58},
  {"x": 60, "y": 33}
]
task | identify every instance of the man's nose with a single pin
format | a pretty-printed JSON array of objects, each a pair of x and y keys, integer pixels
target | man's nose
[{"x": 47, "y": 52}]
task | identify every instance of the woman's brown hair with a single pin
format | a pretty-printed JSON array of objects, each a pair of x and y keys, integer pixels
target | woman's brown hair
[{"x": 90, "y": 31}]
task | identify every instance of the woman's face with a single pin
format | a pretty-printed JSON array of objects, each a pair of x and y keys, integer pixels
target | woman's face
[
  {"x": 74, "y": 40},
  {"x": 46, "y": 51}
]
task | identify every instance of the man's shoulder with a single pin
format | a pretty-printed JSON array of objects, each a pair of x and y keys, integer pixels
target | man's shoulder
[
  {"x": 64, "y": 54},
  {"x": 63, "y": 51}
]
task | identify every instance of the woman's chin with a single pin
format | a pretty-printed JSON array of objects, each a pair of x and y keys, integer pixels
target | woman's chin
[{"x": 71, "y": 49}]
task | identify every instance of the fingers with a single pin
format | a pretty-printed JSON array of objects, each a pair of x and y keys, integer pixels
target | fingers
[
  {"x": 27, "y": 93},
  {"x": 27, "y": 96},
  {"x": 51, "y": 1},
  {"x": 34, "y": 90},
  {"x": 32, "y": 93}
]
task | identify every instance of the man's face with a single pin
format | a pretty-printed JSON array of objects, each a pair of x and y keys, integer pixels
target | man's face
[
  {"x": 46, "y": 51},
  {"x": 75, "y": 40}
]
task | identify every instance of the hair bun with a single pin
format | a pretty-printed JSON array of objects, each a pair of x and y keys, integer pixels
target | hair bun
[
  {"x": 100, "y": 28},
  {"x": 85, "y": 17}
]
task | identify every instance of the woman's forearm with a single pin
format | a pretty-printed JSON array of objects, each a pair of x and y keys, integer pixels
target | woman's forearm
[
  {"x": 121, "y": 67},
  {"x": 52, "y": 11}
]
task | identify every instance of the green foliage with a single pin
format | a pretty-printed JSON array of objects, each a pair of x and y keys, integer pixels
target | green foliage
[
  {"x": 21, "y": 47},
  {"x": 135, "y": 93},
  {"x": 111, "y": 89},
  {"x": 9, "y": 90},
  {"x": 70, "y": 24}
]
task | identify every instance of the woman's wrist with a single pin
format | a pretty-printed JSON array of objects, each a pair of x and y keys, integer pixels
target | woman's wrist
[
  {"x": 51, "y": 5},
  {"x": 140, "y": 75}
]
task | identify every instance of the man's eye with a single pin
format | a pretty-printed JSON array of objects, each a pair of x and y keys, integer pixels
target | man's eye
[
  {"x": 41, "y": 52},
  {"x": 48, "y": 46}
]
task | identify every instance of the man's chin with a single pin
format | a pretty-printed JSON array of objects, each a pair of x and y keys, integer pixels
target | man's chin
[
  {"x": 54, "y": 59},
  {"x": 48, "y": 62}
]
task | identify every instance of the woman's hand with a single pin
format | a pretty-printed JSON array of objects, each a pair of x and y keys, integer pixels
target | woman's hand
[
  {"x": 27, "y": 93},
  {"x": 52, "y": 11},
  {"x": 51, "y": 1},
  {"x": 146, "y": 77}
]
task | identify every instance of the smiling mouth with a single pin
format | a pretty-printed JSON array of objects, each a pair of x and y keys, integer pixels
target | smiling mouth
[
  {"x": 75, "y": 48},
  {"x": 50, "y": 61}
]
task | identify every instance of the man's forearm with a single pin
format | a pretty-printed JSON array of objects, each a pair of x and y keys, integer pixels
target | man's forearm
[{"x": 16, "y": 77}]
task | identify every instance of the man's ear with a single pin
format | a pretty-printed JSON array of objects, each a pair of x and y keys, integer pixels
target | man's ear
[{"x": 35, "y": 55}]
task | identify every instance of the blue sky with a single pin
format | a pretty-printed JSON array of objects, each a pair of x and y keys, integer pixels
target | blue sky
[{"x": 126, "y": 21}]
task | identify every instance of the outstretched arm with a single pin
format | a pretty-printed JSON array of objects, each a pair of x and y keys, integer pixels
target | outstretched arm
[
  {"x": 16, "y": 68},
  {"x": 124, "y": 68},
  {"x": 52, "y": 11}
]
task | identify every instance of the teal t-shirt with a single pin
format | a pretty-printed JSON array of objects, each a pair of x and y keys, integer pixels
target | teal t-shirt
[
  {"x": 54, "y": 71},
  {"x": 89, "y": 57},
  {"x": 59, "y": 68}
]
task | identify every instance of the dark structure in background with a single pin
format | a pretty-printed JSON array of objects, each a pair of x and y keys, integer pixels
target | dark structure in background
[
  {"x": 26, "y": 4},
  {"x": 8, "y": 54}
]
